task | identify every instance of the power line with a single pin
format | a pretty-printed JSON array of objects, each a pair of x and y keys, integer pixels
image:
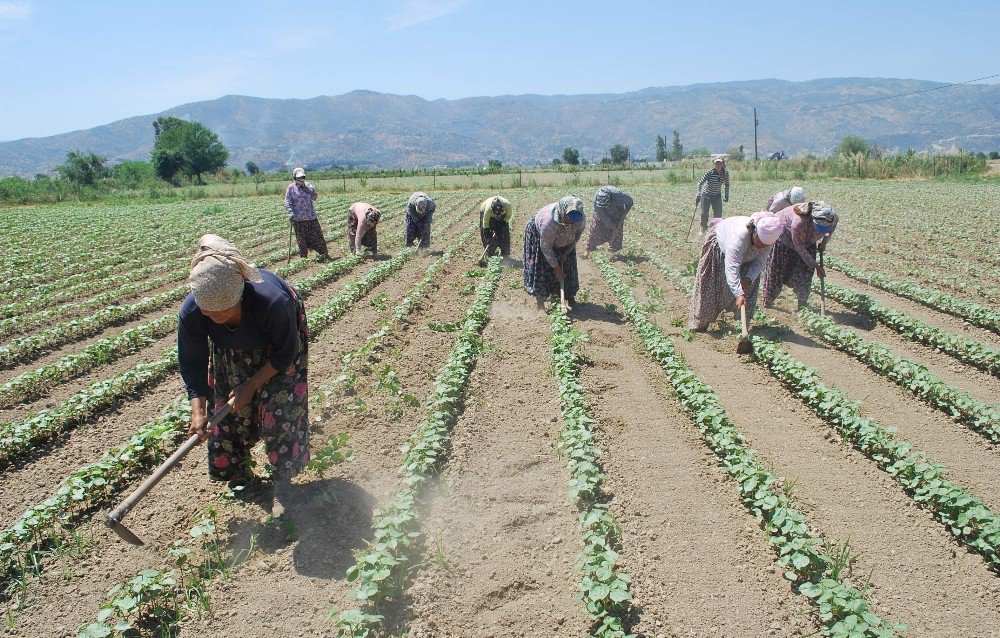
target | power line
[{"x": 884, "y": 97}]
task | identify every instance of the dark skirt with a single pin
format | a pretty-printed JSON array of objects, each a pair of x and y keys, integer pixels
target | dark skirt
[
  {"x": 418, "y": 229},
  {"x": 712, "y": 295},
  {"x": 278, "y": 413},
  {"x": 309, "y": 235},
  {"x": 605, "y": 231},
  {"x": 370, "y": 240},
  {"x": 786, "y": 268},
  {"x": 539, "y": 277},
  {"x": 497, "y": 233}
]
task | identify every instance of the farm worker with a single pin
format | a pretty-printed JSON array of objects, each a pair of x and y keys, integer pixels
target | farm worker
[
  {"x": 362, "y": 219},
  {"x": 607, "y": 225},
  {"x": 732, "y": 259},
  {"x": 495, "y": 214},
  {"x": 806, "y": 230},
  {"x": 419, "y": 213},
  {"x": 550, "y": 239},
  {"x": 783, "y": 199},
  {"x": 711, "y": 194},
  {"x": 299, "y": 202},
  {"x": 242, "y": 333}
]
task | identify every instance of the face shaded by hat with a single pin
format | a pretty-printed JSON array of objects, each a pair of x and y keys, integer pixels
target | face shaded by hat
[
  {"x": 421, "y": 205},
  {"x": 569, "y": 210},
  {"x": 373, "y": 215},
  {"x": 299, "y": 173}
]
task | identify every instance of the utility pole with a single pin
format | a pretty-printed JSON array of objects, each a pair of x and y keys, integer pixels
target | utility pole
[{"x": 755, "y": 123}]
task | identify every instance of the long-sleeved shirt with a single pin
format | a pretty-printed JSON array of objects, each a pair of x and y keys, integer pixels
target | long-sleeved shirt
[
  {"x": 299, "y": 202},
  {"x": 486, "y": 208},
  {"x": 712, "y": 181},
  {"x": 611, "y": 205},
  {"x": 797, "y": 233},
  {"x": 269, "y": 322},
  {"x": 360, "y": 210},
  {"x": 738, "y": 249},
  {"x": 411, "y": 206},
  {"x": 553, "y": 236}
]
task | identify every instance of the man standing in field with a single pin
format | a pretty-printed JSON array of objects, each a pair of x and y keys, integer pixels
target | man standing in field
[
  {"x": 494, "y": 224},
  {"x": 711, "y": 194},
  {"x": 299, "y": 202}
]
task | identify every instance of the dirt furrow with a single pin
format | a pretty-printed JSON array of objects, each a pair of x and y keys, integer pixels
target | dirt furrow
[
  {"x": 501, "y": 538},
  {"x": 700, "y": 565},
  {"x": 919, "y": 575}
]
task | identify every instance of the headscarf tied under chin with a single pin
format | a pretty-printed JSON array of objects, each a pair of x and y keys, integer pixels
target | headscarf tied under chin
[
  {"x": 768, "y": 227},
  {"x": 218, "y": 271},
  {"x": 565, "y": 206}
]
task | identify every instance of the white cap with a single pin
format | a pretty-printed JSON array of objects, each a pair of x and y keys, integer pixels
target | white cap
[
  {"x": 298, "y": 172},
  {"x": 796, "y": 195}
]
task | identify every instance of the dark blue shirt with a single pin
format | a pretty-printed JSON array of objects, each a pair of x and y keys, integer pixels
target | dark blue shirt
[{"x": 269, "y": 322}]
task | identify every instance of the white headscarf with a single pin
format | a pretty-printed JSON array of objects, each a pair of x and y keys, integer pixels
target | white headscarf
[
  {"x": 768, "y": 227},
  {"x": 218, "y": 271}
]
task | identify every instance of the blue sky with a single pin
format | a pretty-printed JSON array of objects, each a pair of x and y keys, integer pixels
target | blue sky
[{"x": 72, "y": 64}]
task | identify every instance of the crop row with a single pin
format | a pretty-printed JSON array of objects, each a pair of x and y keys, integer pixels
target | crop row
[
  {"x": 44, "y": 526},
  {"x": 972, "y": 312},
  {"x": 966, "y": 350},
  {"x": 962, "y": 513},
  {"x": 17, "y": 438},
  {"x": 604, "y": 589},
  {"x": 409, "y": 303},
  {"x": 380, "y": 572},
  {"x": 808, "y": 558},
  {"x": 917, "y": 379}
]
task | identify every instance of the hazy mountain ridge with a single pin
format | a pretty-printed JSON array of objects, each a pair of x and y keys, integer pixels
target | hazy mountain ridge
[{"x": 377, "y": 129}]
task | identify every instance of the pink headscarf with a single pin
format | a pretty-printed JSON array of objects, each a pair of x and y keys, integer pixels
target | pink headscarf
[{"x": 768, "y": 227}]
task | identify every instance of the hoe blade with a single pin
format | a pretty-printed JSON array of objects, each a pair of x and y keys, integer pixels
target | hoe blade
[{"x": 125, "y": 533}]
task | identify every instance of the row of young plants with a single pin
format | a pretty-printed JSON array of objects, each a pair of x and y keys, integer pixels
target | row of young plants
[
  {"x": 972, "y": 312},
  {"x": 322, "y": 398},
  {"x": 48, "y": 526},
  {"x": 809, "y": 560},
  {"x": 968, "y": 351},
  {"x": 963, "y": 514},
  {"x": 18, "y": 438},
  {"x": 980, "y": 416},
  {"x": 126, "y": 282},
  {"x": 35, "y": 383},
  {"x": 382, "y": 569},
  {"x": 604, "y": 589},
  {"x": 45, "y": 527}
]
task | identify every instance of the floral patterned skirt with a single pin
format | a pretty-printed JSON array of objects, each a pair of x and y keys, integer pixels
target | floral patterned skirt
[
  {"x": 712, "y": 295},
  {"x": 605, "y": 232},
  {"x": 277, "y": 414},
  {"x": 785, "y": 268},
  {"x": 419, "y": 229},
  {"x": 539, "y": 277}
]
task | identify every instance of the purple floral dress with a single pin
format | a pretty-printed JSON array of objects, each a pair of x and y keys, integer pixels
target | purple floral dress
[{"x": 277, "y": 414}]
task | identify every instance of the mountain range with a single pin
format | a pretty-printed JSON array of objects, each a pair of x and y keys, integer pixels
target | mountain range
[{"x": 369, "y": 129}]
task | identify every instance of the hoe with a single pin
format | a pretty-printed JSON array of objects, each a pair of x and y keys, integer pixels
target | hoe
[{"x": 114, "y": 518}]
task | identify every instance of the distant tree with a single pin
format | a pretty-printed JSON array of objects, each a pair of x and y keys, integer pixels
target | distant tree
[
  {"x": 584, "y": 161},
  {"x": 678, "y": 147},
  {"x": 252, "y": 169},
  {"x": 619, "y": 154},
  {"x": 495, "y": 165},
  {"x": 571, "y": 156},
  {"x": 556, "y": 161},
  {"x": 661, "y": 148},
  {"x": 258, "y": 179},
  {"x": 605, "y": 160},
  {"x": 188, "y": 148},
  {"x": 736, "y": 153},
  {"x": 83, "y": 168},
  {"x": 133, "y": 173},
  {"x": 994, "y": 154},
  {"x": 852, "y": 145},
  {"x": 981, "y": 155}
]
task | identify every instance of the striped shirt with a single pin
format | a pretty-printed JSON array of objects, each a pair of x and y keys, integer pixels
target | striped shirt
[{"x": 713, "y": 181}]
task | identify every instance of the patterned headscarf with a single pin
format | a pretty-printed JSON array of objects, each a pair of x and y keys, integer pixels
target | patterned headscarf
[
  {"x": 218, "y": 271},
  {"x": 373, "y": 215},
  {"x": 566, "y": 205}
]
